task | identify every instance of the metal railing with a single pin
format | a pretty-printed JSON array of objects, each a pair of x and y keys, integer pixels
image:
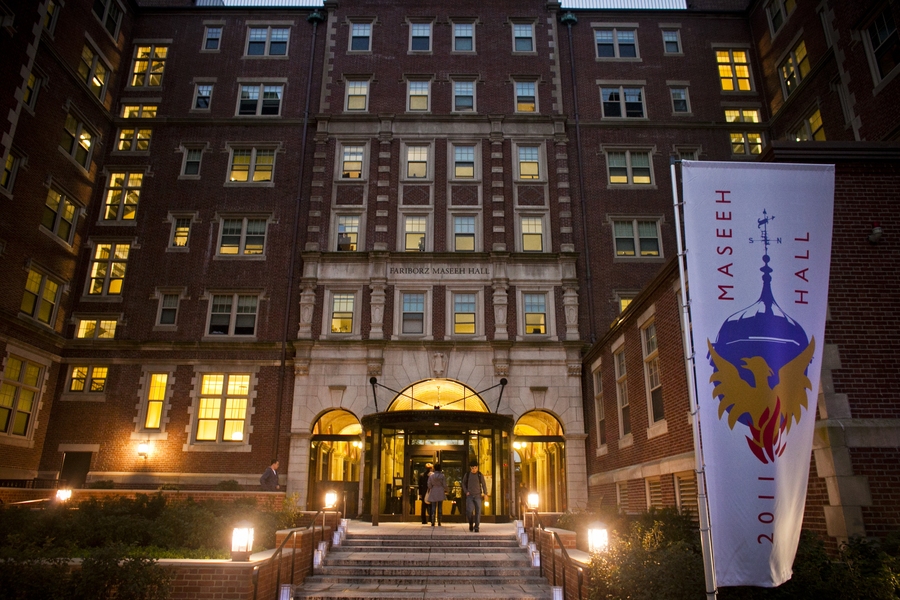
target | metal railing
[
  {"x": 292, "y": 536},
  {"x": 567, "y": 560}
]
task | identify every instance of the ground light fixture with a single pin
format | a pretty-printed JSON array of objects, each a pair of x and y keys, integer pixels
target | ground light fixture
[
  {"x": 242, "y": 541},
  {"x": 598, "y": 537},
  {"x": 330, "y": 499},
  {"x": 63, "y": 495}
]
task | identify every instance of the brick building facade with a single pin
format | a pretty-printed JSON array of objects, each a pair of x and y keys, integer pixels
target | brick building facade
[{"x": 283, "y": 230}]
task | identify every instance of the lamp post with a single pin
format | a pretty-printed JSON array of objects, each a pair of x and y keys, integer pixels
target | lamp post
[
  {"x": 532, "y": 502},
  {"x": 63, "y": 495},
  {"x": 598, "y": 537},
  {"x": 242, "y": 542}
]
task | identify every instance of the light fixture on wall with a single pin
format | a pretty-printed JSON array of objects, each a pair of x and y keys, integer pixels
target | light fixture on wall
[
  {"x": 63, "y": 495},
  {"x": 143, "y": 449},
  {"x": 876, "y": 234}
]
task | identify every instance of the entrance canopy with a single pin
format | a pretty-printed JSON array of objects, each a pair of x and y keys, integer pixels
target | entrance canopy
[{"x": 438, "y": 394}]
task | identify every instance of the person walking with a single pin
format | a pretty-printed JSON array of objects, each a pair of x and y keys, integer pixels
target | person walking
[
  {"x": 437, "y": 491},
  {"x": 269, "y": 480},
  {"x": 475, "y": 489},
  {"x": 423, "y": 491}
]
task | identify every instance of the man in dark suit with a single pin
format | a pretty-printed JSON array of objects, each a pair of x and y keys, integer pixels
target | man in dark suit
[
  {"x": 269, "y": 479},
  {"x": 423, "y": 489}
]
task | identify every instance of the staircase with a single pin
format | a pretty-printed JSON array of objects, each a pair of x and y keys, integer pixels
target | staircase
[{"x": 429, "y": 563}]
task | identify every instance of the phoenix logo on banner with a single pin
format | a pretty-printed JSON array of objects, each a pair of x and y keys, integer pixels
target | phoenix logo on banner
[{"x": 760, "y": 360}]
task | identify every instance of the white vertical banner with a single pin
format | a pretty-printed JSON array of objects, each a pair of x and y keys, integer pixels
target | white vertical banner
[{"x": 758, "y": 247}]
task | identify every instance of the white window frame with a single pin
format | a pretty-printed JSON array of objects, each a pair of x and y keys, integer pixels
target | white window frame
[
  {"x": 652, "y": 373},
  {"x": 418, "y": 86},
  {"x": 19, "y": 384},
  {"x": 187, "y": 152},
  {"x": 626, "y": 438},
  {"x": 207, "y": 30},
  {"x": 742, "y": 115},
  {"x": 809, "y": 128},
  {"x": 542, "y": 219},
  {"x": 89, "y": 381},
  {"x": 242, "y": 252},
  {"x": 106, "y": 16},
  {"x": 88, "y": 72},
  {"x": 30, "y": 91},
  {"x": 516, "y": 95},
  {"x": 549, "y": 314},
  {"x": 400, "y": 312},
  {"x": 329, "y": 310},
  {"x": 148, "y": 387},
  {"x": 476, "y": 162},
  {"x": 452, "y": 233},
  {"x": 671, "y": 29},
  {"x": 408, "y": 149},
  {"x": 220, "y": 444},
  {"x": 734, "y": 68},
  {"x": 746, "y": 143},
  {"x": 153, "y": 59},
  {"x": 599, "y": 408},
  {"x": 64, "y": 201},
  {"x": 450, "y": 326},
  {"x": 460, "y": 81},
  {"x": 683, "y": 87},
  {"x": 101, "y": 327},
  {"x": 135, "y": 109},
  {"x": 623, "y": 90},
  {"x": 454, "y": 48},
  {"x": 516, "y": 30},
  {"x": 347, "y": 150},
  {"x": 259, "y": 102},
  {"x": 793, "y": 68},
  {"x": 541, "y": 162},
  {"x": 198, "y": 87},
  {"x": 872, "y": 51},
  {"x": 51, "y": 15},
  {"x": 127, "y": 186},
  {"x": 40, "y": 298},
  {"x": 111, "y": 280},
  {"x": 77, "y": 136},
  {"x": 267, "y": 44},
  {"x": 253, "y": 166},
  {"x": 360, "y": 231},
  {"x": 636, "y": 237},
  {"x": 236, "y": 298},
  {"x": 417, "y": 27},
  {"x": 616, "y": 29},
  {"x": 428, "y": 235},
  {"x": 134, "y": 140},
  {"x": 350, "y": 85},
  {"x": 368, "y": 37},
  {"x": 174, "y": 218},
  {"x": 782, "y": 9},
  {"x": 629, "y": 168},
  {"x": 10, "y": 168},
  {"x": 165, "y": 296}
]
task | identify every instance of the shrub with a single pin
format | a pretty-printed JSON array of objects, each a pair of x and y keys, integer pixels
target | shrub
[
  {"x": 102, "y": 484},
  {"x": 229, "y": 485}
]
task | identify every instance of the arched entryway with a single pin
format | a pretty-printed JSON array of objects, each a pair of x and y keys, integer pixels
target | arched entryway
[
  {"x": 435, "y": 420},
  {"x": 539, "y": 452},
  {"x": 334, "y": 459}
]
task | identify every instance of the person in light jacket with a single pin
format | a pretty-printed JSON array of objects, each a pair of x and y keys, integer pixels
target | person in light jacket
[{"x": 437, "y": 491}]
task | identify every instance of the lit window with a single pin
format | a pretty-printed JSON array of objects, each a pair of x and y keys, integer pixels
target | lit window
[
  {"x": 122, "y": 196},
  {"x": 523, "y": 37},
  {"x": 59, "y": 216},
  {"x": 812, "y": 129},
  {"x": 418, "y": 95},
  {"x": 29, "y": 98},
  {"x": 232, "y": 314},
  {"x": 599, "y": 408},
  {"x": 50, "y": 15},
  {"x": 222, "y": 409},
  {"x": 651, "y": 374},
  {"x": 464, "y": 314},
  {"x": 464, "y": 162},
  {"x": 268, "y": 41},
  {"x": 535, "y": 313},
  {"x": 95, "y": 329},
  {"x": 156, "y": 398},
  {"x": 88, "y": 379},
  {"x": 342, "y": 313},
  {"x": 671, "y": 41},
  {"x": 623, "y": 101},
  {"x": 680, "y": 102},
  {"x": 778, "y": 12},
  {"x": 420, "y": 37},
  {"x": 348, "y": 233},
  {"x": 463, "y": 37},
  {"x": 93, "y": 71},
  {"x": 9, "y": 172},
  {"x": 251, "y": 165},
  {"x": 794, "y": 68},
  {"x": 192, "y": 158},
  {"x": 629, "y": 167},
  {"x": 526, "y": 96},
  {"x": 213, "y": 38},
  {"x": 139, "y": 111},
  {"x": 149, "y": 64},
  {"x": 41, "y": 298},
  {"x": 417, "y": 162},
  {"x": 181, "y": 232},
  {"x": 77, "y": 141},
  {"x": 622, "y": 394},
  {"x": 107, "y": 269},
  {"x": 624, "y": 302},
  {"x": 242, "y": 237},
  {"x": 20, "y": 391},
  {"x": 110, "y": 14},
  {"x": 734, "y": 70},
  {"x": 529, "y": 162},
  {"x": 361, "y": 37},
  {"x": 351, "y": 162},
  {"x": 464, "y": 234},
  {"x": 168, "y": 309},
  {"x": 746, "y": 143},
  {"x": 884, "y": 44},
  {"x": 202, "y": 96},
  {"x": 134, "y": 140},
  {"x": 616, "y": 43},
  {"x": 742, "y": 115},
  {"x": 532, "y": 234},
  {"x": 357, "y": 95},
  {"x": 636, "y": 238},
  {"x": 463, "y": 96},
  {"x": 414, "y": 228},
  {"x": 413, "y": 317}
]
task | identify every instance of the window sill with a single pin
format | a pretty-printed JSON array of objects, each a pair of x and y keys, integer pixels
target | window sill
[
  {"x": 255, "y": 257},
  {"x": 6, "y": 192},
  {"x": 682, "y": 114},
  {"x": 72, "y": 160},
  {"x": 144, "y": 88},
  {"x": 524, "y": 53},
  {"x": 131, "y": 153},
  {"x": 603, "y": 450},
  {"x": 265, "y": 57},
  {"x": 657, "y": 429},
  {"x": 169, "y": 328},
  {"x": 56, "y": 239},
  {"x": 235, "y": 339},
  {"x": 885, "y": 81},
  {"x": 200, "y": 111},
  {"x": 117, "y": 223},
  {"x": 335, "y": 337},
  {"x": 82, "y": 397},
  {"x": 19, "y": 442},
  {"x": 195, "y": 446},
  {"x": 626, "y": 442},
  {"x": 626, "y": 59},
  {"x": 631, "y": 186},
  {"x": 102, "y": 298},
  {"x": 649, "y": 259},
  {"x": 178, "y": 249},
  {"x": 250, "y": 184},
  {"x": 189, "y": 177}
]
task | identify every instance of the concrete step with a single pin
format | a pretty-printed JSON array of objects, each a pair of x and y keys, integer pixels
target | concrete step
[
  {"x": 470, "y": 541},
  {"x": 434, "y": 573}
]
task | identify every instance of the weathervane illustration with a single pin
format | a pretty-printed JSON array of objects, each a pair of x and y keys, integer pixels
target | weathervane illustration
[{"x": 760, "y": 360}]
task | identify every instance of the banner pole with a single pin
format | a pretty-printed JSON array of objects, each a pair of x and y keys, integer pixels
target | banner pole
[{"x": 700, "y": 469}]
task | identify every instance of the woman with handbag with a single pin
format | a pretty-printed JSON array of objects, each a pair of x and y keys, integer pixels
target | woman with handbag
[{"x": 437, "y": 491}]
